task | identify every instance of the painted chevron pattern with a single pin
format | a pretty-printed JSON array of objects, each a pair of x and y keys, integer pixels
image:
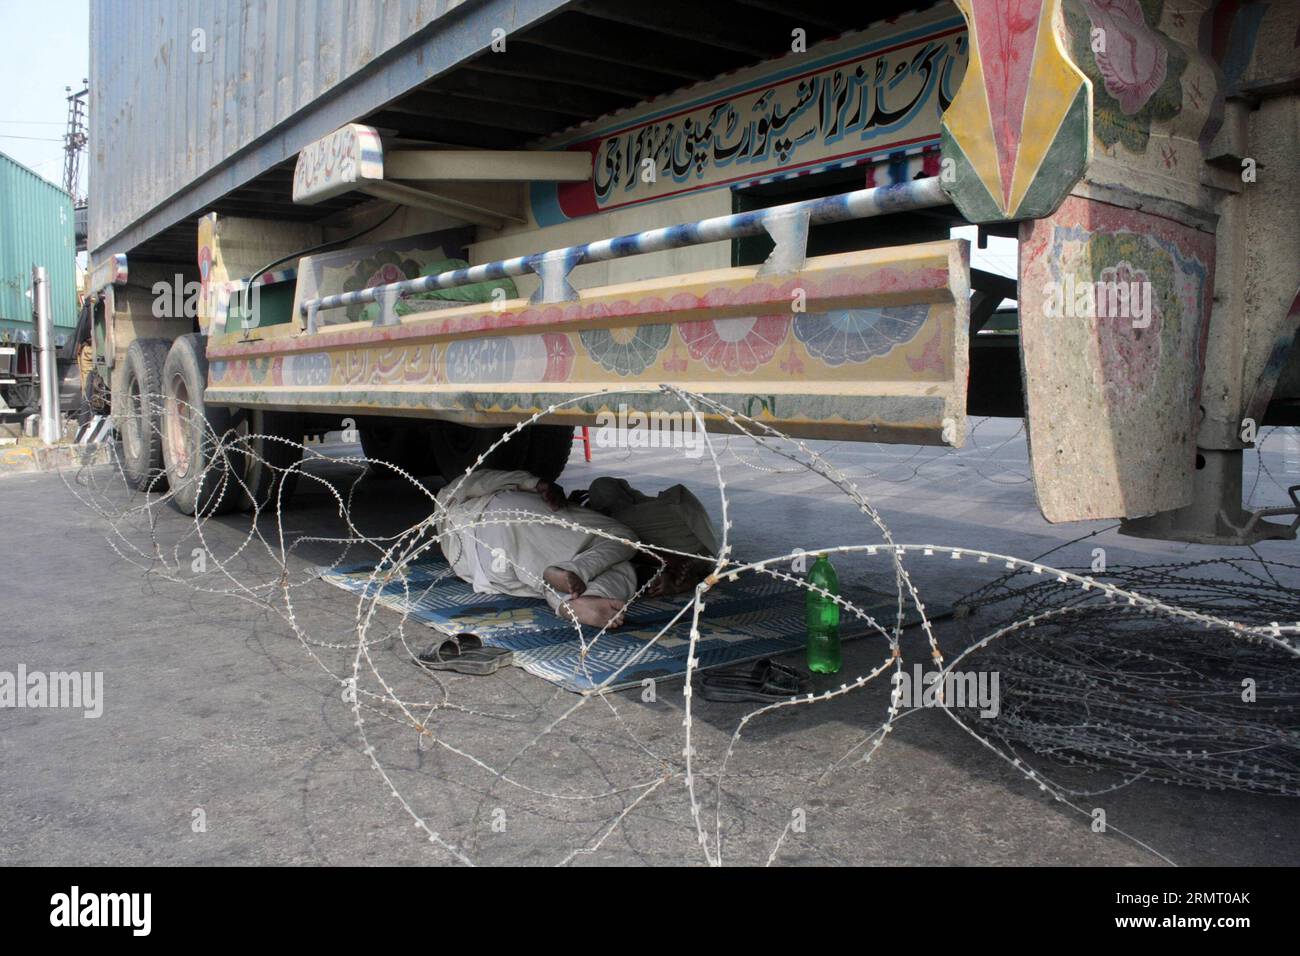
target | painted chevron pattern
[{"x": 1018, "y": 133}]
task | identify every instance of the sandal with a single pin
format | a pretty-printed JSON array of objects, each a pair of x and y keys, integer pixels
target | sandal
[
  {"x": 764, "y": 682},
  {"x": 465, "y": 654}
]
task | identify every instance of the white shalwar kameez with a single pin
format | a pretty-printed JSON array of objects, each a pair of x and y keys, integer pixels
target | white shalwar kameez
[{"x": 508, "y": 556}]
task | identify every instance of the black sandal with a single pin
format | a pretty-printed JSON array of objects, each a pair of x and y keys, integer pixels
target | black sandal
[
  {"x": 465, "y": 654},
  {"x": 763, "y": 682}
]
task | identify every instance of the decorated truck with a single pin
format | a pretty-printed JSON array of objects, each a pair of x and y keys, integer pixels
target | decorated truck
[{"x": 440, "y": 219}]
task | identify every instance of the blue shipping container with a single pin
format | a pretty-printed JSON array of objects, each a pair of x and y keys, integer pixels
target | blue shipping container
[{"x": 36, "y": 228}]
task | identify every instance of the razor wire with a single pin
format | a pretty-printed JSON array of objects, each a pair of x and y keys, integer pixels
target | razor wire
[
  {"x": 1084, "y": 652},
  {"x": 1113, "y": 689}
]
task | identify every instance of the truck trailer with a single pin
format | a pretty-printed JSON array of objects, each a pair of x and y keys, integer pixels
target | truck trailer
[
  {"x": 441, "y": 218},
  {"x": 36, "y": 230}
]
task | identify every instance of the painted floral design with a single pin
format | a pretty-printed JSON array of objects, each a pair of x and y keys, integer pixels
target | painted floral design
[
  {"x": 259, "y": 368},
  {"x": 1135, "y": 345},
  {"x": 380, "y": 269},
  {"x": 858, "y": 335},
  {"x": 1130, "y": 355},
  {"x": 735, "y": 345},
  {"x": 931, "y": 357},
  {"x": 675, "y": 363},
  {"x": 1132, "y": 60},
  {"x": 626, "y": 351},
  {"x": 1136, "y": 70},
  {"x": 559, "y": 357},
  {"x": 388, "y": 272}
]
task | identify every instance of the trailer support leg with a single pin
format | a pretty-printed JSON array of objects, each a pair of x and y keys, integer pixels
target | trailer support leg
[{"x": 51, "y": 429}]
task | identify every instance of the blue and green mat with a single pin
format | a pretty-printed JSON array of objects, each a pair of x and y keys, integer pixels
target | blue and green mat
[{"x": 743, "y": 620}]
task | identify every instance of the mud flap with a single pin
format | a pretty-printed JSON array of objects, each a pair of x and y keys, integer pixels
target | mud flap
[{"x": 1114, "y": 310}]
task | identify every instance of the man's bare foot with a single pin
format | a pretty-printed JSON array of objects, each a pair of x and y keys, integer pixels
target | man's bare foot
[
  {"x": 597, "y": 611},
  {"x": 564, "y": 582}
]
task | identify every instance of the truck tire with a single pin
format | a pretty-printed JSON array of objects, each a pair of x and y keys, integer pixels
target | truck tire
[
  {"x": 456, "y": 447},
  {"x": 199, "y": 476},
  {"x": 549, "y": 447},
  {"x": 140, "y": 416},
  {"x": 403, "y": 446},
  {"x": 94, "y": 398},
  {"x": 270, "y": 447},
  {"x": 542, "y": 450}
]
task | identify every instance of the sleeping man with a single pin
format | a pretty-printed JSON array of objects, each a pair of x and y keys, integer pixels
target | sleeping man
[{"x": 496, "y": 537}]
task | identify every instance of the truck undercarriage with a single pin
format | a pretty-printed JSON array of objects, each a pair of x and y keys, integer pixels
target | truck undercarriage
[{"x": 1155, "y": 300}]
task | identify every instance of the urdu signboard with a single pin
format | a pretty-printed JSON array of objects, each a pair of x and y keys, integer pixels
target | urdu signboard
[{"x": 864, "y": 95}]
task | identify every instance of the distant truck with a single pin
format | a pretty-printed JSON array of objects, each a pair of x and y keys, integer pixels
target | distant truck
[
  {"x": 440, "y": 219},
  {"x": 36, "y": 229}
]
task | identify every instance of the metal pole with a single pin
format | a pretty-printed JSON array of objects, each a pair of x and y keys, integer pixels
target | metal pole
[
  {"x": 859, "y": 204},
  {"x": 51, "y": 429}
]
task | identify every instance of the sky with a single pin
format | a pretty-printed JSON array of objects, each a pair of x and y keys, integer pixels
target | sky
[
  {"x": 1000, "y": 257},
  {"x": 44, "y": 47}
]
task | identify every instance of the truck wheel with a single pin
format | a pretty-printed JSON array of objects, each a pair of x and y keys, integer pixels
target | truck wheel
[
  {"x": 198, "y": 474},
  {"x": 542, "y": 450},
  {"x": 549, "y": 447},
  {"x": 94, "y": 398},
  {"x": 140, "y": 414},
  {"x": 270, "y": 447},
  {"x": 407, "y": 447},
  {"x": 457, "y": 446}
]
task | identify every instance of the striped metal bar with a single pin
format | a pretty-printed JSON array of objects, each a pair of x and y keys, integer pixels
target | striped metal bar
[{"x": 555, "y": 264}]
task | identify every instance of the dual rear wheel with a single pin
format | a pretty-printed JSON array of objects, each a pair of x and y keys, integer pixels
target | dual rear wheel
[
  {"x": 222, "y": 459},
  {"x": 139, "y": 414},
  {"x": 212, "y": 460},
  {"x": 215, "y": 460}
]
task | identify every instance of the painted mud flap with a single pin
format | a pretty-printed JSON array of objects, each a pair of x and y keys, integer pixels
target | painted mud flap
[
  {"x": 1114, "y": 308},
  {"x": 866, "y": 345}
]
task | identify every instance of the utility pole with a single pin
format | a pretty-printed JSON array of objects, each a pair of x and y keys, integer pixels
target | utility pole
[{"x": 74, "y": 141}]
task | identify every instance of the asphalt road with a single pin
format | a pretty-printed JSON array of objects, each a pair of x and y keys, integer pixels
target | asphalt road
[{"x": 222, "y": 740}]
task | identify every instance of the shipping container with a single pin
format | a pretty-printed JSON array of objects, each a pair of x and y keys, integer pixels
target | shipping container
[
  {"x": 192, "y": 99},
  {"x": 35, "y": 230}
]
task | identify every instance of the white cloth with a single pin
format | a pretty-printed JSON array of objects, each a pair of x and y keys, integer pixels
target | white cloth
[{"x": 508, "y": 556}]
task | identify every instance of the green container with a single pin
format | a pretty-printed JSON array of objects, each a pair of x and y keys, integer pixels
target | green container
[
  {"x": 822, "y": 617},
  {"x": 36, "y": 229}
]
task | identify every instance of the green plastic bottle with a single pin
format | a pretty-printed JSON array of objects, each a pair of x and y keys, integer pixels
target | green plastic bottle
[{"x": 822, "y": 617}]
